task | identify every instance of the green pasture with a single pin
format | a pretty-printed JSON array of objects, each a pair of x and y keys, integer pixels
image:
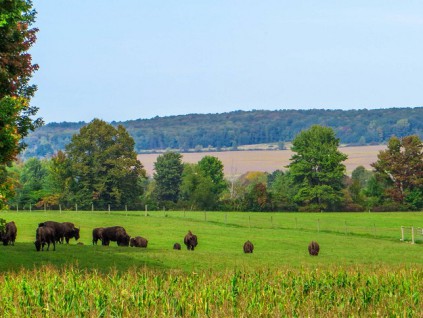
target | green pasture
[{"x": 280, "y": 240}]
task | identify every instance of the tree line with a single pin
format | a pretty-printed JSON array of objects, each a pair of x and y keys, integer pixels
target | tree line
[
  {"x": 228, "y": 131},
  {"x": 99, "y": 169}
]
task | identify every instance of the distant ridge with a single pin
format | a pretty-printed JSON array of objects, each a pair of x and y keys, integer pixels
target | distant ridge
[{"x": 228, "y": 131}]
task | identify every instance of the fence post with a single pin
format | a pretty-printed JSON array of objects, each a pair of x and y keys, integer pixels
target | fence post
[
  {"x": 92, "y": 207},
  {"x": 296, "y": 223},
  {"x": 226, "y": 217},
  {"x": 60, "y": 208},
  {"x": 17, "y": 207},
  {"x": 402, "y": 233},
  {"x": 412, "y": 235},
  {"x": 108, "y": 206},
  {"x": 76, "y": 207},
  {"x": 30, "y": 207},
  {"x": 271, "y": 220},
  {"x": 145, "y": 210},
  {"x": 205, "y": 216},
  {"x": 249, "y": 222},
  {"x": 318, "y": 225},
  {"x": 45, "y": 207},
  {"x": 345, "y": 227}
]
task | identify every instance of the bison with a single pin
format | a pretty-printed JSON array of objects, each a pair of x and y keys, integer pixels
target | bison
[
  {"x": 116, "y": 234},
  {"x": 45, "y": 235},
  {"x": 138, "y": 241},
  {"x": 9, "y": 233},
  {"x": 248, "y": 247},
  {"x": 63, "y": 231},
  {"x": 70, "y": 231},
  {"x": 97, "y": 234},
  {"x": 190, "y": 240},
  {"x": 59, "y": 230},
  {"x": 313, "y": 248},
  {"x": 176, "y": 246}
]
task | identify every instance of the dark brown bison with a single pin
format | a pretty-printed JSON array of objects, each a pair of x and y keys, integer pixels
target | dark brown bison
[
  {"x": 190, "y": 240},
  {"x": 9, "y": 233},
  {"x": 248, "y": 247},
  {"x": 313, "y": 248},
  {"x": 116, "y": 234},
  {"x": 176, "y": 246},
  {"x": 97, "y": 235},
  {"x": 59, "y": 230},
  {"x": 70, "y": 231},
  {"x": 45, "y": 235},
  {"x": 138, "y": 241}
]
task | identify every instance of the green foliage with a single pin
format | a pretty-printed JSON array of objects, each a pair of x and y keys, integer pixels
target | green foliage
[
  {"x": 197, "y": 189},
  {"x": 401, "y": 166},
  {"x": 211, "y": 167},
  {"x": 16, "y": 68},
  {"x": 103, "y": 167},
  {"x": 168, "y": 177},
  {"x": 317, "y": 168},
  {"x": 229, "y": 130}
]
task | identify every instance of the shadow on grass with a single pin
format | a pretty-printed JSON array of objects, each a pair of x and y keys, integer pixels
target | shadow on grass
[{"x": 101, "y": 258}]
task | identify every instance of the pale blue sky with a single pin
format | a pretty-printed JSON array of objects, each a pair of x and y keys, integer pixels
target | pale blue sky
[{"x": 122, "y": 60}]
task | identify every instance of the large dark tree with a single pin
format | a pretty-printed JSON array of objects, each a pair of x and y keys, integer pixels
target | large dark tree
[
  {"x": 16, "y": 69},
  {"x": 317, "y": 168},
  {"x": 168, "y": 176},
  {"x": 104, "y": 167},
  {"x": 401, "y": 166}
]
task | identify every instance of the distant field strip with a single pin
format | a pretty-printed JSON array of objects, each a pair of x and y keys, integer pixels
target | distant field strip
[{"x": 238, "y": 162}]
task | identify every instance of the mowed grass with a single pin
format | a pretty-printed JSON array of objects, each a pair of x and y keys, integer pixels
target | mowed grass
[{"x": 280, "y": 241}]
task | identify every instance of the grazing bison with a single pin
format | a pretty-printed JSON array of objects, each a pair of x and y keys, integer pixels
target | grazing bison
[
  {"x": 138, "y": 241},
  {"x": 59, "y": 230},
  {"x": 176, "y": 246},
  {"x": 70, "y": 231},
  {"x": 45, "y": 235},
  {"x": 9, "y": 233},
  {"x": 248, "y": 247},
  {"x": 116, "y": 234},
  {"x": 97, "y": 234},
  {"x": 190, "y": 240},
  {"x": 313, "y": 248}
]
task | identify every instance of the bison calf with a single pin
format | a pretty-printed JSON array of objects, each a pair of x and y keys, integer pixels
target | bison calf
[
  {"x": 97, "y": 234},
  {"x": 248, "y": 247},
  {"x": 313, "y": 248},
  {"x": 190, "y": 240},
  {"x": 9, "y": 234},
  {"x": 176, "y": 246},
  {"x": 138, "y": 241}
]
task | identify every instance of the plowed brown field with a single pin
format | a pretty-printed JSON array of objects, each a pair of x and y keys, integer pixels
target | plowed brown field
[{"x": 238, "y": 162}]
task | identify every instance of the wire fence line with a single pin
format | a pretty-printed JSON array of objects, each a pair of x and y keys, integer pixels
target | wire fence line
[{"x": 368, "y": 225}]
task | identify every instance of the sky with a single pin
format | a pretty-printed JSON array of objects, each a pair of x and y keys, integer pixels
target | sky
[{"x": 125, "y": 60}]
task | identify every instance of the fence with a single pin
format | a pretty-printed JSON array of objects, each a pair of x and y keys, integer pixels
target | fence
[{"x": 414, "y": 230}]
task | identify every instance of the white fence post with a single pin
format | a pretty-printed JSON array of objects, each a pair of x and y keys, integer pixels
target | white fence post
[
  {"x": 412, "y": 235},
  {"x": 402, "y": 233}
]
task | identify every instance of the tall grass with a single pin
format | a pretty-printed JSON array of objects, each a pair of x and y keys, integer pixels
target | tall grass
[{"x": 142, "y": 292}]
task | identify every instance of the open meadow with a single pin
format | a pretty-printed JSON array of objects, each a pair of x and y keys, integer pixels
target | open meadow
[{"x": 362, "y": 267}]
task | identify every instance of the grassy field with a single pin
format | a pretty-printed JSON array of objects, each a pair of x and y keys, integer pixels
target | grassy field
[
  {"x": 363, "y": 268},
  {"x": 280, "y": 239},
  {"x": 238, "y": 162}
]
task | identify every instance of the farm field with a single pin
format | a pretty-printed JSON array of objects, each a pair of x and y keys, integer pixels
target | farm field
[
  {"x": 362, "y": 263},
  {"x": 238, "y": 162}
]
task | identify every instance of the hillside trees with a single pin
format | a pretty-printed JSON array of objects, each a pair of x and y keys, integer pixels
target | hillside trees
[
  {"x": 103, "y": 167},
  {"x": 16, "y": 69},
  {"x": 401, "y": 167},
  {"x": 317, "y": 169}
]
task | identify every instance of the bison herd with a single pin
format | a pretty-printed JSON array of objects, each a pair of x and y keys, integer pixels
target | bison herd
[{"x": 51, "y": 232}]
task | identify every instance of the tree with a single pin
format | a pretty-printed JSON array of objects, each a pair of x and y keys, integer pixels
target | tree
[
  {"x": 212, "y": 168},
  {"x": 168, "y": 176},
  {"x": 104, "y": 167},
  {"x": 16, "y": 69},
  {"x": 282, "y": 190},
  {"x": 317, "y": 168},
  {"x": 197, "y": 189},
  {"x": 401, "y": 166}
]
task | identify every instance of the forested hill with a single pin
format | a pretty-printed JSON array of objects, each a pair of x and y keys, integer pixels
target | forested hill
[{"x": 229, "y": 130}]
